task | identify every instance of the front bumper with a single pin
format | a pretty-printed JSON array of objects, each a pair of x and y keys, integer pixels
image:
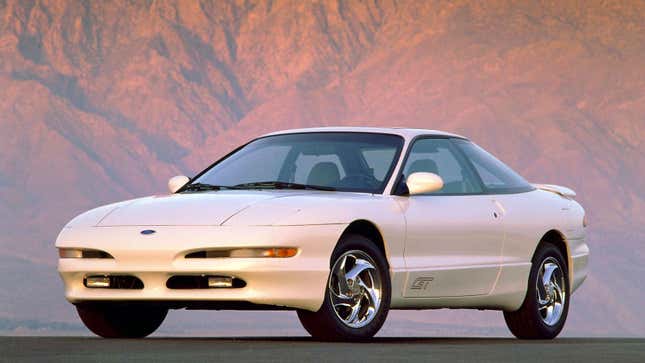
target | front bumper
[{"x": 293, "y": 282}]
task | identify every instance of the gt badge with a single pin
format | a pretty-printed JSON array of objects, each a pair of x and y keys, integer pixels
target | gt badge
[{"x": 421, "y": 283}]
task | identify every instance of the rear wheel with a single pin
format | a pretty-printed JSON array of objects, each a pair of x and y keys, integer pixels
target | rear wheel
[
  {"x": 546, "y": 305},
  {"x": 121, "y": 321},
  {"x": 357, "y": 298}
]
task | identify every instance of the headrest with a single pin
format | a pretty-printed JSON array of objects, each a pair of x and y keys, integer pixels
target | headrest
[
  {"x": 324, "y": 174},
  {"x": 425, "y": 165}
]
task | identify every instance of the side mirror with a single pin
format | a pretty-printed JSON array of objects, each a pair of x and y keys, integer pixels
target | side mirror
[
  {"x": 421, "y": 183},
  {"x": 176, "y": 182}
]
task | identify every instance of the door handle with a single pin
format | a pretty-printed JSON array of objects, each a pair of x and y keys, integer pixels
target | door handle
[{"x": 498, "y": 210}]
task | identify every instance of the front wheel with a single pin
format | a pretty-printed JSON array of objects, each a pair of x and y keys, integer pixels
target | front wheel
[
  {"x": 121, "y": 321},
  {"x": 357, "y": 298},
  {"x": 545, "y": 307}
]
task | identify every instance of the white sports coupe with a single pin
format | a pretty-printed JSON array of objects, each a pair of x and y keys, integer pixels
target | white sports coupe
[{"x": 340, "y": 224}]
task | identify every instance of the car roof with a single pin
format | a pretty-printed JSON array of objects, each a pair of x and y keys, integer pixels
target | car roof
[{"x": 407, "y": 133}]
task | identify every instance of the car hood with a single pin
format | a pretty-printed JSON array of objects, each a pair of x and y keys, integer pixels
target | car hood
[{"x": 187, "y": 209}]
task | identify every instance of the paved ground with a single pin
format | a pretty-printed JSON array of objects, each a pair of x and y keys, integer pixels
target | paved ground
[{"x": 70, "y": 349}]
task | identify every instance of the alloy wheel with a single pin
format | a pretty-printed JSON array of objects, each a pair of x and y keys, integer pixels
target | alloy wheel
[
  {"x": 355, "y": 288},
  {"x": 551, "y": 291}
]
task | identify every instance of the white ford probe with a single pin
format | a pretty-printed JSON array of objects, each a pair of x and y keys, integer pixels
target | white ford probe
[{"x": 340, "y": 224}]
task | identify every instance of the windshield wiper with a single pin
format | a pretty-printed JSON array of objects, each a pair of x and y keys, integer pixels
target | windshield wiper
[
  {"x": 281, "y": 185},
  {"x": 200, "y": 187}
]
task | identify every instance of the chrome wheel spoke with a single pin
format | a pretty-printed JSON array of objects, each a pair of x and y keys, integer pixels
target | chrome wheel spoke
[
  {"x": 343, "y": 306},
  {"x": 343, "y": 288},
  {"x": 340, "y": 298},
  {"x": 557, "y": 310},
  {"x": 558, "y": 290},
  {"x": 371, "y": 294},
  {"x": 549, "y": 268},
  {"x": 359, "y": 267},
  {"x": 549, "y": 314},
  {"x": 541, "y": 294},
  {"x": 353, "y": 316},
  {"x": 340, "y": 275}
]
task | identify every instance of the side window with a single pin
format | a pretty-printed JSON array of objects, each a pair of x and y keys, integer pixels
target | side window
[
  {"x": 496, "y": 176},
  {"x": 437, "y": 156}
]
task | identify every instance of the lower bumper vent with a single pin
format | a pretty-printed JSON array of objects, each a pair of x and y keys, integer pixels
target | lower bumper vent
[
  {"x": 182, "y": 282},
  {"x": 125, "y": 282}
]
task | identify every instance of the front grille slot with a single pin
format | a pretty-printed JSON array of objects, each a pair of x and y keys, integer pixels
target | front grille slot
[
  {"x": 187, "y": 282},
  {"x": 122, "y": 282}
]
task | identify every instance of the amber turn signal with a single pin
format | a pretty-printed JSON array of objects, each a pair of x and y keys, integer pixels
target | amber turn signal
[
  {"x": 279, "y": 252},
  {"x": 264, "y": 252}
]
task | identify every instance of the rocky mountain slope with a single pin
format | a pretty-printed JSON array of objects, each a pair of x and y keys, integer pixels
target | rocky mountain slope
[{"x": 104, "y": 101}]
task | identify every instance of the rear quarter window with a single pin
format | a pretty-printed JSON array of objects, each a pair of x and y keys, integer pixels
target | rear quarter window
[{"x": 496, "y": 176}]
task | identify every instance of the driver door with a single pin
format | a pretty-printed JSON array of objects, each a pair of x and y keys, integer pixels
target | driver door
[{"x": 454, "y": 236}]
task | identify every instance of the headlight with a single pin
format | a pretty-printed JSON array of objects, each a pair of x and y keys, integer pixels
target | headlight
[
  {"x": 279, "y": 252},
  {"x": 82, "y": 253}
]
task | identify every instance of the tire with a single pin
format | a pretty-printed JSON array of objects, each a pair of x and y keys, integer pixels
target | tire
[
  {"x": 121, "y": 321},
  {"x": 531, "y": 321},
  {"x": 348, "y": 323}
]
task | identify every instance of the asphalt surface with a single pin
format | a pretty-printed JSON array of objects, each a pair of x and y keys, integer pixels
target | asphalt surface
[{"x": 71, "y": 349}]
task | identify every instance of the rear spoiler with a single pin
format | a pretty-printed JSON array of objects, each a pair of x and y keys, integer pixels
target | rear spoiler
[{"x": 559, "y": 190}]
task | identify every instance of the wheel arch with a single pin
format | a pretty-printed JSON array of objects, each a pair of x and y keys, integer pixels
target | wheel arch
[
  {"x": 559, "y": 240},
  {"x": 369, "y": 230}
]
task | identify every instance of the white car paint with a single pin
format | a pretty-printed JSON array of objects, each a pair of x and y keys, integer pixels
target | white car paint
[{"x": 474, "y": 251}]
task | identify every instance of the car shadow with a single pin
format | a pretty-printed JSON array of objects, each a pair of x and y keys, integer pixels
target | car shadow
[{"x": 409, "y": 340}]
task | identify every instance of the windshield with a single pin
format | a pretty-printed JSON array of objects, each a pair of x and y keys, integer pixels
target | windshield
[{"x": 353, "y": 162}]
